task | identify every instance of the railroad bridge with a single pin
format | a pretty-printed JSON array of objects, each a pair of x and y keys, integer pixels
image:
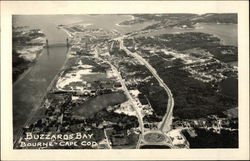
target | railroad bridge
[{"x": 66, "y": 44}]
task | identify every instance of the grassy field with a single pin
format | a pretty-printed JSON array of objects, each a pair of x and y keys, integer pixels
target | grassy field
[{"x": 154, "y": 137}]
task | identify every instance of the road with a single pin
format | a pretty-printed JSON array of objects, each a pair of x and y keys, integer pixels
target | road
[
  {"x": 107, "y": 139},
  {"x": 139, "y": 116},
  {"x": 166, "y": 123},
  {"x": 128, "y": 95}
]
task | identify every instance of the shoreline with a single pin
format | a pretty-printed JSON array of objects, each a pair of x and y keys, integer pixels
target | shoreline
[
  {"x": 21, "y": 76},
  {"x": 131, "y": 18},
  {"x": 67, "y": 32}
]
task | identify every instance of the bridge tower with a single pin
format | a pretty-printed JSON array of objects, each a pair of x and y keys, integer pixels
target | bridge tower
[
  {"x": 47, "y": 43},
  {"x": 67, "y": 42}
]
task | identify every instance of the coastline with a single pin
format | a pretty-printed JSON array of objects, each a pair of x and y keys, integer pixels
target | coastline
[
  {"x": 30, "y": 53},
  {"x": 119, "y": 23},
  {"x": 67, "y": 32},
  {"x": 21, "y": 76}
]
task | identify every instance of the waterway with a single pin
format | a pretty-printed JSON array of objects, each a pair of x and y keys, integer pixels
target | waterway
[
  {"x": 29, "y": 91},
  {"x": 228, "y": 33},
  {"x": 48, "y": 23}
]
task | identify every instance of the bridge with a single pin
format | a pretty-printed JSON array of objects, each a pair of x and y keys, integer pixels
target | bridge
[{"x": 60, "y": 44}]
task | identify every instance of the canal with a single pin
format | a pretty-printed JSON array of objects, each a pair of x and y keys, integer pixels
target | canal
[
  {"x": 29, "y": 91},
  {"x": 228, "y": 33}
]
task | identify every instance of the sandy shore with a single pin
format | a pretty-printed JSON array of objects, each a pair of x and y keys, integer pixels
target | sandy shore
[
  {"x": 131, "y": 18},
  {"x": 67, "y": 32},
  {"x": 21, "y": 76}
]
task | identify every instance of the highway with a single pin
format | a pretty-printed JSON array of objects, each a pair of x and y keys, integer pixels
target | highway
[{"x": 166, "y": 123}]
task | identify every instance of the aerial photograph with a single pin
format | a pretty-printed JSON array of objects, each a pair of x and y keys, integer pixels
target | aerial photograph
[{"x": 125, "y": 81}]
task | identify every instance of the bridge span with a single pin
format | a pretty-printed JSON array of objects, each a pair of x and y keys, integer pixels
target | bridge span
[{"x": 58, "y": 44}]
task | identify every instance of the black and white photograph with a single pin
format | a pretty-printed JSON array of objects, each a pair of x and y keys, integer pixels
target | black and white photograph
[
  {"x": 128, "y": 81},
  {"x": 139, "y": 81}
]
